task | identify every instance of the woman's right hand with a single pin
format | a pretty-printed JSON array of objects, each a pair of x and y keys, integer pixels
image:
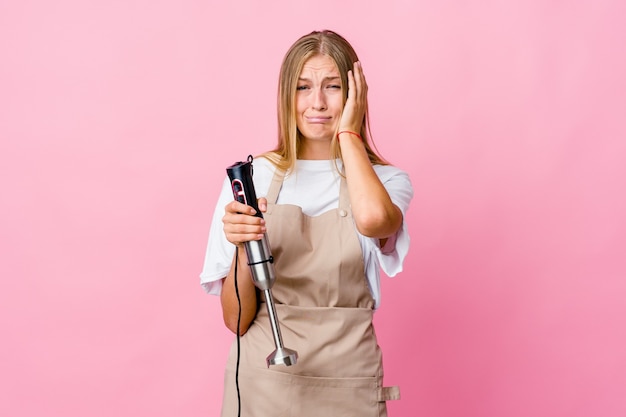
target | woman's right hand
[{"x": 240, "y": 223}]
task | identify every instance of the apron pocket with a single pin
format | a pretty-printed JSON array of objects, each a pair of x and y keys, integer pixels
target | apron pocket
[{"x": 267, "y": 393}]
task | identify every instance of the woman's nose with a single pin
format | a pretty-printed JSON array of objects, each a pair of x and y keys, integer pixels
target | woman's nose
[{"x": 319, "y": 100}]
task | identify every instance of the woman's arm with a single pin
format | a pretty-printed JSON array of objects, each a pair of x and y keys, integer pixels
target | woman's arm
[
  {"x": 374, "y": 213},
  {"x": 240, "y": 225},
  {"x": 247, "y": 295}
]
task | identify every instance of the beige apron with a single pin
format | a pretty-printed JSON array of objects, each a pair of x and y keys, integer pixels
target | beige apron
[{"x": 325, "y": 312}]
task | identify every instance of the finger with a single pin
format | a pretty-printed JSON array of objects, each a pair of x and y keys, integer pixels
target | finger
[
  {"x": 360, "y": 79},
  {"x": 351, "y": 85},
  {"x": 243, "y": 223},
  {"x": 237, "y": 207},
  {"x": 242, "y": 228},
  {"x": 238, "y": 238},
  {"x": 262, "y": 203},
  {"x": 237, "y": 218}
]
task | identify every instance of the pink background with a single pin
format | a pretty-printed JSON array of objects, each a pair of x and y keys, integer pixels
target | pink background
[{"x": 118, "y": 119}]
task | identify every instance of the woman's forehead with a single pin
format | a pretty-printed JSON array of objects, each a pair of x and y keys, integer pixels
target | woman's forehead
[{"x": 319, "y": 63}]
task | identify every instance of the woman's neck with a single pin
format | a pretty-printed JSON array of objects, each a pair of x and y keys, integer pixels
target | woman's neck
[{"x": 314, "y": 149}]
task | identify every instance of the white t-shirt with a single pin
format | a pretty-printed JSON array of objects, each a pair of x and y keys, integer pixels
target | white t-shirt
[{"x": 314, "y": 186}]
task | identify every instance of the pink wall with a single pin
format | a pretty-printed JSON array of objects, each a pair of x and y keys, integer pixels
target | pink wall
[{"x": 118, "y": 118}]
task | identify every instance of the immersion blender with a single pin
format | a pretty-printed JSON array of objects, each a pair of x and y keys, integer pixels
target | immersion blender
[{"x": 260, "y": 258}]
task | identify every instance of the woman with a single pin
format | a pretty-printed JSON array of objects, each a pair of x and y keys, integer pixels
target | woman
[{"x": 334, "y": 215}]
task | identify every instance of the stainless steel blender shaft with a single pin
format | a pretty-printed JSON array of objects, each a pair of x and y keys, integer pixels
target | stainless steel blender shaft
[{"x": 261, "y": 266}]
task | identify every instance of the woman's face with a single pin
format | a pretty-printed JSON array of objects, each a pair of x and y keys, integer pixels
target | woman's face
[{"x": 319, "y": 98}]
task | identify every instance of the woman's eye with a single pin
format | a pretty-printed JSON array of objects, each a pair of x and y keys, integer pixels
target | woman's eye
[
  {"x": 335, "y": 86},
  {"x": 302, "y": 87}
]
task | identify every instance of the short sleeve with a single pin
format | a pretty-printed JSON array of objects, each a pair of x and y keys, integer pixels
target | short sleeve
[
  {"x": 398, "y": 185},
  {"x": 219, "y": 251}
]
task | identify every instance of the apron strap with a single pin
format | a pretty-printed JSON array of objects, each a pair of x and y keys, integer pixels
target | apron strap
[
  {"x": 344, "y": 197},
  {"x": 275, "y": 186}
]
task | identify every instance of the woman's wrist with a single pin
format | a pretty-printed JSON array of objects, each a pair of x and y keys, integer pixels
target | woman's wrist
[{"x": 348, "y": 132}]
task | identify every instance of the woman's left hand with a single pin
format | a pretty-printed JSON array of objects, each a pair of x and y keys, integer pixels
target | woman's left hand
[{"x": 354, "y": 109}]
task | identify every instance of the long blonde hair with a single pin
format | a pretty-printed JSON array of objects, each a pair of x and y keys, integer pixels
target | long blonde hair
[{"x": 339, "y": 50}]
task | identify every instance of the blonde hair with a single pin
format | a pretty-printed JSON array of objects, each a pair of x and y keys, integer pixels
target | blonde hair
[{"x": 341, "y": 52}]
